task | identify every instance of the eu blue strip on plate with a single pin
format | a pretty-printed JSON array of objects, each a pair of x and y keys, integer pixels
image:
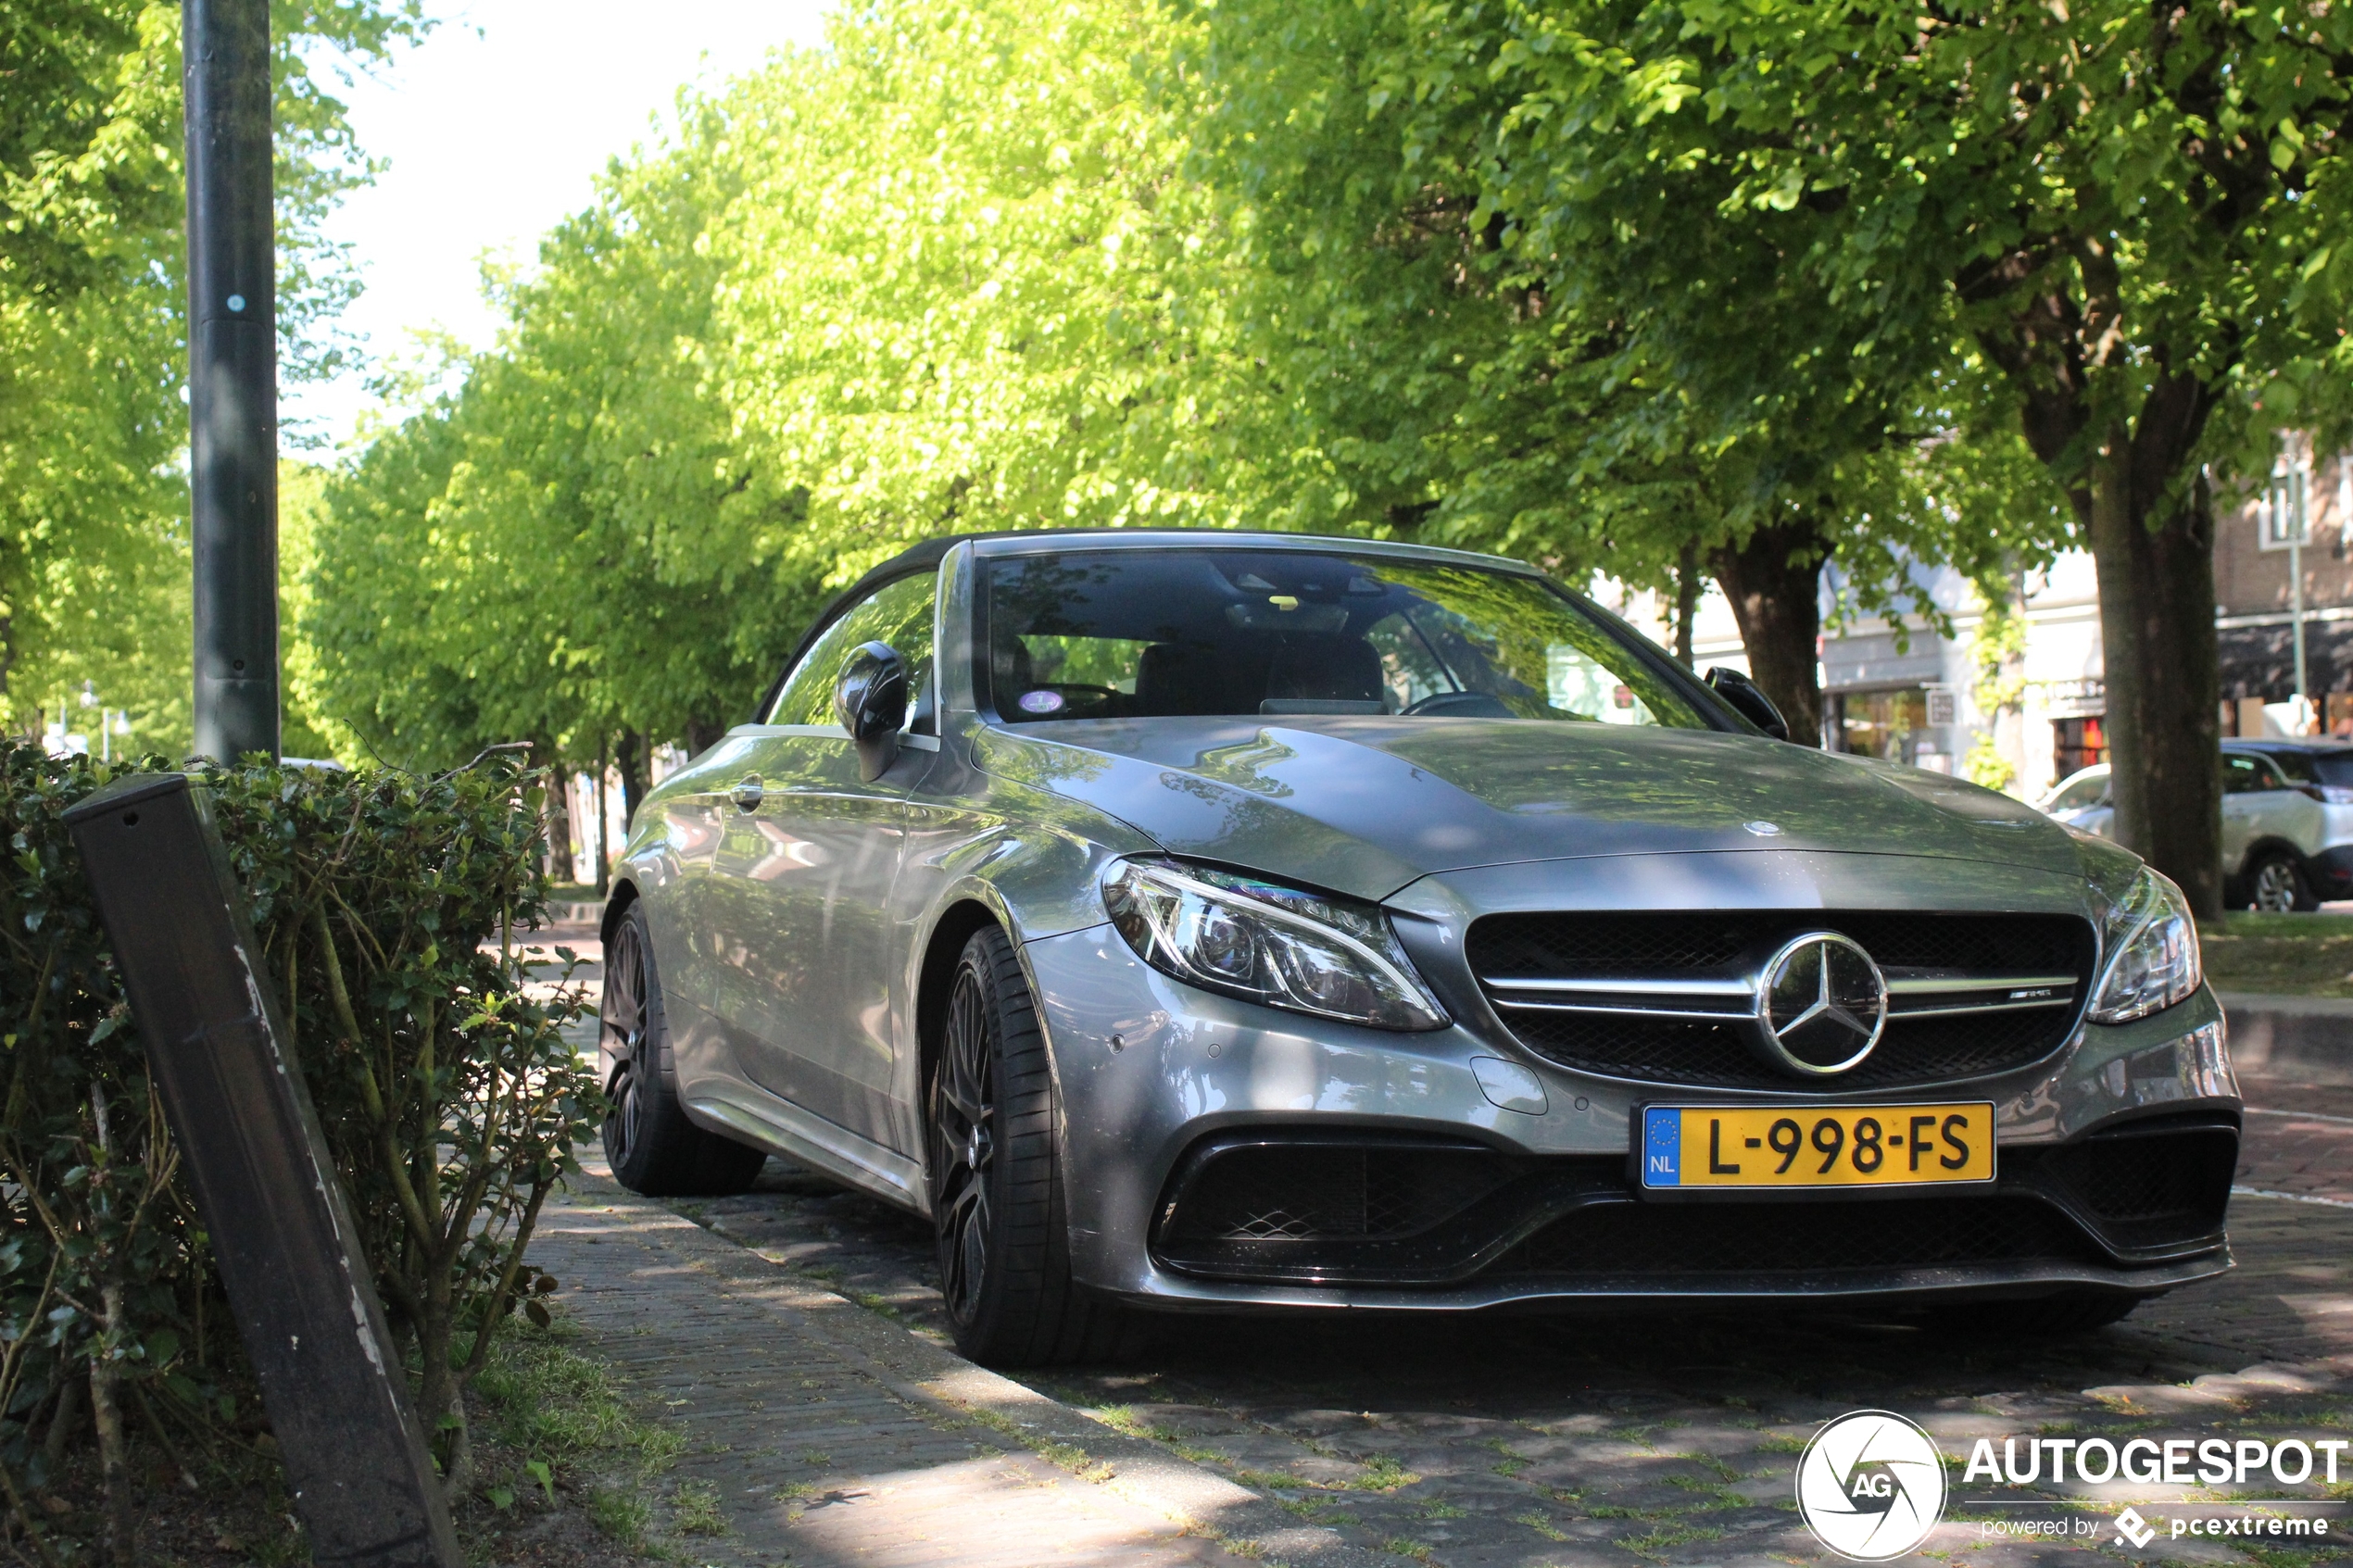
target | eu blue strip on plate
[{"x": 1662, "y": 1147}]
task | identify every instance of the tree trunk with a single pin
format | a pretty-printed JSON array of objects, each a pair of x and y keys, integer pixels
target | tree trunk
[
  {"x": 440, "y": 1397},
  {"x": 604, "y": 851},
  {"x": 62, "y": 1422},
  {"x": 114, "y": 1448},
  {"x": 2162, "y": 669},
  {"x": 1687, "y": 592},
  {"x": 561, "y": 843},
  {"x": 1774, "y": 581},
  {"x": 634, "y": 765}
]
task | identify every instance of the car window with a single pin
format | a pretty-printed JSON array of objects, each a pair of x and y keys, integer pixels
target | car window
[
  {"x": 2082, "y": 792},
  {"x": 2244, "y": 773},
  {"x": 2296, "y": 765},
  {"x": 1133, "y": 634},
  {"x": 2334, "y": 767},
  {"x": 898, "y": 613}
]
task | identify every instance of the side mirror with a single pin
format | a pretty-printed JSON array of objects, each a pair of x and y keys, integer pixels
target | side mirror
[
  {"x": 870, "y": 699},
  {"x": 1748, "y": 701}
]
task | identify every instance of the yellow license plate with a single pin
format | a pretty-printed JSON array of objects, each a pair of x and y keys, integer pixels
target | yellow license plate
[{"x": 1815, "y": 1146}]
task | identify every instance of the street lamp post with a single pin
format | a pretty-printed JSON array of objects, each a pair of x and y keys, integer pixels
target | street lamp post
[{"x": 232, "y": 376}]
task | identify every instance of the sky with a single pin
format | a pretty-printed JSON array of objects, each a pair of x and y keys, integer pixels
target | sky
[{"x": 495, "y": 129}]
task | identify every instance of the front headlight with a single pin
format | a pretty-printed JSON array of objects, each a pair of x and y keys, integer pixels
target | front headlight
[
  {"x": 2154, "y": 946},
  {"x": 1275, "y": 944}
]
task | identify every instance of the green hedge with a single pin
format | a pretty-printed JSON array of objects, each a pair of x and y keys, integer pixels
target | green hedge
[{"x": 388, "y": 904}]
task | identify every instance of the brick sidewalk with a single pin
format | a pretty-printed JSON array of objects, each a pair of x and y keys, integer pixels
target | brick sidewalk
[{"x": 831, "y": 1435}]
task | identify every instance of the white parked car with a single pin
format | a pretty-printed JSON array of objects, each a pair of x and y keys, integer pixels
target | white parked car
[{"x": 2287, "y": 821}]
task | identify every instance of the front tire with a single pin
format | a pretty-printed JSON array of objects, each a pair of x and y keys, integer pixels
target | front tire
[
  {"x": 653, "y": 1149},
  {"x": 2276, "y": 885},
  {"x": 997, "y": 1178}
]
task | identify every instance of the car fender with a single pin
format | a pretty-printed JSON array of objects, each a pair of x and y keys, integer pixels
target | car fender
[{"x": 1027, "y": 858}]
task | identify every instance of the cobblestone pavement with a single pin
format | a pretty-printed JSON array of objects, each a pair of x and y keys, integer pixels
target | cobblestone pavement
[
  {"x": 1495, "y": 1442},
  {"x": 1541, "y": 1442},
  {"x": 817, "y": 1433}
]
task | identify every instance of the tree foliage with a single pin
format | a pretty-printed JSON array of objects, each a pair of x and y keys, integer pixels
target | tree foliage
[
  {"x": 92, "y": 432},
  {"x": 386, "y": 905},
  {"x": 2129, "y": 221}
]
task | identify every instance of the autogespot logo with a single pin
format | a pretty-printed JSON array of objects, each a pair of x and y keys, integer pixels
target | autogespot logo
[{"x": 1870, "y": 1485}]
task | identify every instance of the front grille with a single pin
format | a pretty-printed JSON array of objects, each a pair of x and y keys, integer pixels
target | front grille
[
  {"x": 1644, "y": 996},
  {"x": 1320, "y": 1192},
  {"x": 2156, "y": 1183},
  {"x": 1695, "y": 1239},
  {"x": 1340, "y": 1206},
  {"x": 1335, "y": 1207}
]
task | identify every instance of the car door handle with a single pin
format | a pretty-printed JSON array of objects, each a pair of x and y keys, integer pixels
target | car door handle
[{"x": 749, "y": 794}]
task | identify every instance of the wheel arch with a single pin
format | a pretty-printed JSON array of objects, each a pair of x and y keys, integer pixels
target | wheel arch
[
  {"x": 936, "y": 976},
  {"x": 625, "y": 893},
  {"x": 2258, "y": 850}
]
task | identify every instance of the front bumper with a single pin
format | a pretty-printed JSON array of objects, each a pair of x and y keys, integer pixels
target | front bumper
[{"x": 1163, "y": 1087}]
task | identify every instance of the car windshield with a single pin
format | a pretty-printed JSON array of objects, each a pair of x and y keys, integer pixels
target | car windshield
[{"x": 1152, "y": 632}]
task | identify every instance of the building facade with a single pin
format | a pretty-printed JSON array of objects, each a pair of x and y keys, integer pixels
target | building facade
[{"x": 2023, "y": 708}]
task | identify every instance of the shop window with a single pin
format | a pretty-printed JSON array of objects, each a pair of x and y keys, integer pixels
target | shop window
[
  {"x": 2078, "y": 742},
  {"x": 1890, "y": 724}
]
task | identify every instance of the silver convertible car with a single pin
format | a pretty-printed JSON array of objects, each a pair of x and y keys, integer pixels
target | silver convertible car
[{"x": 1210, "y": 920}]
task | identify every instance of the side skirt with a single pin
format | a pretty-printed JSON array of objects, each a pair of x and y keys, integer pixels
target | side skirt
[{"x": 782, "y": 1127}]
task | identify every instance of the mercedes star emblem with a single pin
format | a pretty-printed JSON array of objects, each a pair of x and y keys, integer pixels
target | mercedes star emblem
[{"x": 1820, "y": 1004}]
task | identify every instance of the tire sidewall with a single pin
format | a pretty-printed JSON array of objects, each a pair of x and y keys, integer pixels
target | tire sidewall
[{"x": 973, "y": 966}]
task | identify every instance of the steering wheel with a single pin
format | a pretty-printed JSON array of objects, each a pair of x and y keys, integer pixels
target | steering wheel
[{"x": 1460, "y": 705}]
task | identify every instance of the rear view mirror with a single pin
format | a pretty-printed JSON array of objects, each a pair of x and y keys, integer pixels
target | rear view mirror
[
  {"x": 870, "y": 699},
  {"x": 1748, "y": 701}
]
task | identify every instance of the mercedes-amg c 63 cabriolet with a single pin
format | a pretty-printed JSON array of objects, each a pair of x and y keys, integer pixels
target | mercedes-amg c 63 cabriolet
[{"x": 1208, "y": 921}]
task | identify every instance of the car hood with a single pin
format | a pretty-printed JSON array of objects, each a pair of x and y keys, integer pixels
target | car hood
[{"x": 1364, "y": 806}]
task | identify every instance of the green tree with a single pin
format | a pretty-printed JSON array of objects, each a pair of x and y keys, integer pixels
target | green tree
[
  {"x": 92, "y": 510},
  {"x": 1473, "y": 351},
  {"x": 540, "y": 552},
  {"x": 2131, "y": 219}
]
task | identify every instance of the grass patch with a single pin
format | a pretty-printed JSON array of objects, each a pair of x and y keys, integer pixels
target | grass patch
[
  {"x": 2289, "y": 955},
  {"x": 1667, "y": 1538},
  {"x": 566, "y": 1416},
  {"x": 696, "y": 1509},
  {"x": 1541, "y": 1526}
]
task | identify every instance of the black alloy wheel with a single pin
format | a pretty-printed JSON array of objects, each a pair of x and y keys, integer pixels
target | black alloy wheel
[
  {"x": 997, "y": 1178},
  {"x": 963, "y": 1147},
  {"x": 2276, "y": 885},
  {"x": 652, "y": 1146}
]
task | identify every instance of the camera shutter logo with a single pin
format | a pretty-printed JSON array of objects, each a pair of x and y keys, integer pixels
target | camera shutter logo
[{"x": 1870, "y": 1485}]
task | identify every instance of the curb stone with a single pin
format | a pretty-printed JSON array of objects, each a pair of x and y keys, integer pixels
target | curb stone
[{"x": 930, "y": 1376}]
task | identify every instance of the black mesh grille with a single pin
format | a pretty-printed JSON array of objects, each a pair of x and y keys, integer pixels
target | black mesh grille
[
  {"x": 1702, "y": 942},
  {"x": 1718, "y": 946},
  {"x": 1310, "y": 1192},
  {"x": 2147, "y": 1185},
  {"x": 1694, "y": 1239}
]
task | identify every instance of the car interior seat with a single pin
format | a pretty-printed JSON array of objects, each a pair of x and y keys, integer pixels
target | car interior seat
[
  {"x": 1180, "y": 678},
  {"x": 1324, "y": 674}
]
